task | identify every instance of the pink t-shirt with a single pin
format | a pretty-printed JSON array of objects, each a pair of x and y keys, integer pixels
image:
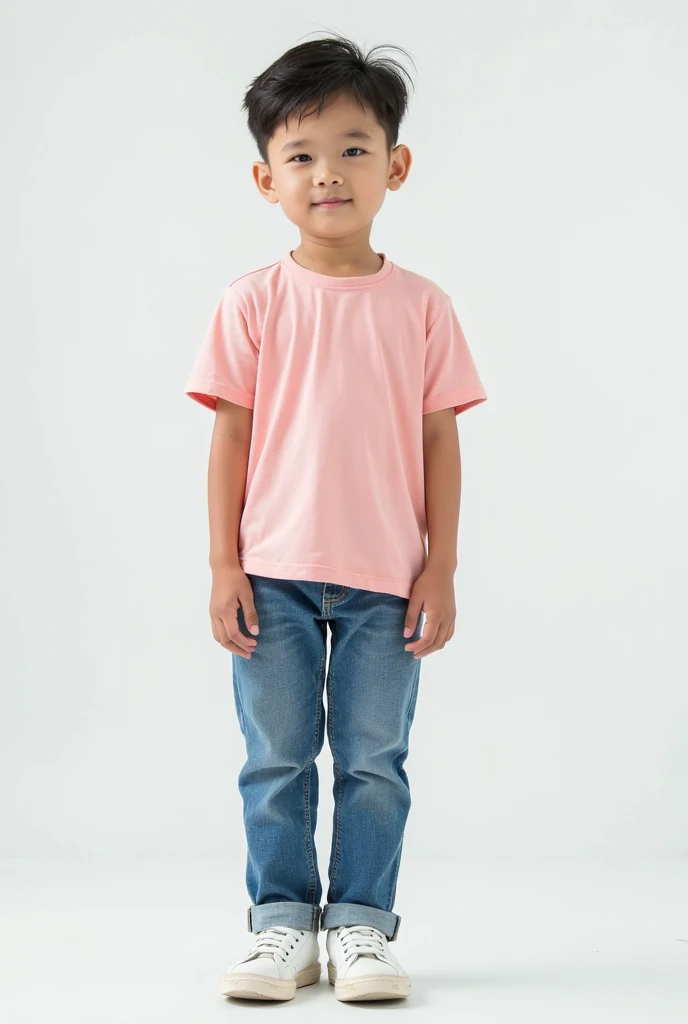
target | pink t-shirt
[{"x": 339, "y": 372}]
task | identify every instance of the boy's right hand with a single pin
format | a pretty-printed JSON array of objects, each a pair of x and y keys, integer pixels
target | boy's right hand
[{"x": 231, "y": 588}]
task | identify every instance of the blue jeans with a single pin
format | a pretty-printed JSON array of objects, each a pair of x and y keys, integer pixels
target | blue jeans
[{"x": 372, "y": 686}]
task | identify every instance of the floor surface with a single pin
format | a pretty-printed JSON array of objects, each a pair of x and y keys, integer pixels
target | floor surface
[{"x": 145, "y": 942}]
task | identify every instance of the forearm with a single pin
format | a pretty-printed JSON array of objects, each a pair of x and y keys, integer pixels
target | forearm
[
  {"x": 227, "y": 466},
  {"x": 442, "y": 461}
]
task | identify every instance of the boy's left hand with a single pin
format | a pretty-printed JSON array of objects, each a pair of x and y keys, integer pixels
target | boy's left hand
[{"x": 433, "y": 593}]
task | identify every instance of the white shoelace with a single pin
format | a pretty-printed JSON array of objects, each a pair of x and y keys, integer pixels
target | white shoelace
[
  {"x": 363, "y": 940},
  {"x": 271, "y": 941}
]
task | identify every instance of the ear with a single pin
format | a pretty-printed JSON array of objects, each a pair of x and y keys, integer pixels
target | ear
[
  {"x": 263, "y": 179},
  {"x": 399, "y": 166}
]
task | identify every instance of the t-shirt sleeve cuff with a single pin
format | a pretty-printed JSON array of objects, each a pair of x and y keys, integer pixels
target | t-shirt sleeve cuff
[
  {"x": 206, "y": 392},
  {"x": 459, "y": 400}
]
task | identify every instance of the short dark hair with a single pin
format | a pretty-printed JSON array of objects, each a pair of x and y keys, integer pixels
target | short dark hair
[{"x": 317, "y": 71}]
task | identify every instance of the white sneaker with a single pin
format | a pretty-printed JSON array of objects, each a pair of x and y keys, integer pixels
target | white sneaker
[
  {"x": 361, "y": 966},
  {"x": 280, "y": 961}
]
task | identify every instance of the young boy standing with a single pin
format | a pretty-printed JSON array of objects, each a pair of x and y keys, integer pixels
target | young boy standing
[{"x": 336, "y": 377}]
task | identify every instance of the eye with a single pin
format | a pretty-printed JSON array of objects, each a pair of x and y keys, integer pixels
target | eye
[{"x": 297, "y": 160}]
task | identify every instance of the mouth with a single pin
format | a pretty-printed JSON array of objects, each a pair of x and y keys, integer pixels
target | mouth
[{"x": 332, "y": 202}]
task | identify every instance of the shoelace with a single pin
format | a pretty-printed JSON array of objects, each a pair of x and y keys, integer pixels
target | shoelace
[
  {"x": 271, "y": 941},
  {"x": 362, "y": 940}
]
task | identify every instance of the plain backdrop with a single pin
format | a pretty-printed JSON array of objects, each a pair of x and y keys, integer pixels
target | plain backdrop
[{"x": 548, "y": 196}]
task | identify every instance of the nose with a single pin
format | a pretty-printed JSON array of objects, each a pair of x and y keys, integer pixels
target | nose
[{"x": 323, "y": 175}]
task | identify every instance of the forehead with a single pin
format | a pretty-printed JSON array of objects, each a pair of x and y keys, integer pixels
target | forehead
[{"x": 342, "y": 118}]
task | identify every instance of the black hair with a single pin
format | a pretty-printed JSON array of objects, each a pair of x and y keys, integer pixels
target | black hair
[{"x": 317, "y": 71}]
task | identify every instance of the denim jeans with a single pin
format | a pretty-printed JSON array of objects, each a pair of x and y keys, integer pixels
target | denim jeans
[{"x": 372, "y": 686}]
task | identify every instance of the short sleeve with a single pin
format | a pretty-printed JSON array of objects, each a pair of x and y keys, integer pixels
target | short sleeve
[
  {"x": 227, "y": 364},
  {"x": 451, "y": 378}
]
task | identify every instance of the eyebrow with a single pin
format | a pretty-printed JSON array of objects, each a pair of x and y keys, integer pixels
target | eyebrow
[{"x": 298, "y": 143}]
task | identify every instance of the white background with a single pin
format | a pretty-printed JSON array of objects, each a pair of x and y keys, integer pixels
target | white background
[{"x": 548, "y": 197}]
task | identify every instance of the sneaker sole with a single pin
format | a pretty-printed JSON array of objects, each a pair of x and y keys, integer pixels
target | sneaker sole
[
  {"x": 377, "y": 986},
  {"x": 256, "y": 986}
]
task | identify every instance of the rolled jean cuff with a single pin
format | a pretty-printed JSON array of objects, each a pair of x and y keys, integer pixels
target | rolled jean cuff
[
  {"x": 336, "y": 914},
  {"x": 288, "y": 913}
]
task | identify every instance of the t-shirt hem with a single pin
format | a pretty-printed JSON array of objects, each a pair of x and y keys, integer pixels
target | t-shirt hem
[{"x": 325, "y": 574}]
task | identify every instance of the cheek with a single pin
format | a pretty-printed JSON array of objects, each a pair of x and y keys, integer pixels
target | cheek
[{"x": 295, "y": 189}]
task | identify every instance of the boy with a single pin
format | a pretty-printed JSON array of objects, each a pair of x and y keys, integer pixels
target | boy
[{"x": 336, "y": 377}]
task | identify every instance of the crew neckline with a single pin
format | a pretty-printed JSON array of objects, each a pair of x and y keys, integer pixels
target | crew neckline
[{"x": 338, "y": 283}]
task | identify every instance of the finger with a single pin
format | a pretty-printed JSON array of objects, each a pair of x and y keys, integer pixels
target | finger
[
  {"x": 219, "y": 631},
  {"x": 427, "y": 637},
  {"x": 249, "y": 610},
  {"x": 235, "y": 649},
  {"x": 230, "y": 624},
  {"x": 220, "y": 634},
  {"x": 246, "y": 643},
  {"x": 411, "y": 618},
  {"x": 227, "y": 621},
  {"x": 429, "y": 630},
  {"x": 437, "y": 644}
]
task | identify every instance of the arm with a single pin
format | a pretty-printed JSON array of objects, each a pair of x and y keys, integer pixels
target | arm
[
  {"x": 442, "y": 460},
  {"x": 231, "y": 588},
  {"x": 433, "y": 591},
  {"x": 227, "y": 465}
]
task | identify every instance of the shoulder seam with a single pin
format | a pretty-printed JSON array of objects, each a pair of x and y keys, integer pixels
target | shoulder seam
[
  {"x": 256, "y": 270},
  {"x": 445, "y": 302}
]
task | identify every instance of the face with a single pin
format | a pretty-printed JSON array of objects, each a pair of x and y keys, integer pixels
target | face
[{"x": 342, "y": 152}]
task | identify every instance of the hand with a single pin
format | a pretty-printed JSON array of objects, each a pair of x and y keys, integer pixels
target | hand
[
  {"x": 433, "y": 592},
  {"x": 231, "y": 588}
]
